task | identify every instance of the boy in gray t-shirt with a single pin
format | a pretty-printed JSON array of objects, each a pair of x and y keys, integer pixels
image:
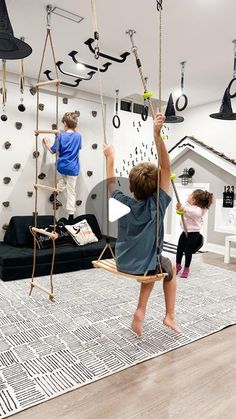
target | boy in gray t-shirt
[{"x": 137, "y": 247}]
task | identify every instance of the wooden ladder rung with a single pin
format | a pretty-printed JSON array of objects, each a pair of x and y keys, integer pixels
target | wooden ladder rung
[
  {"x": 45, "y": 83},
  {"x": 46, "y": 131},
  {"x": 48, "y": 188},
  {"x": 52, "y": 235},
  {"x": 35, "y": 285}
]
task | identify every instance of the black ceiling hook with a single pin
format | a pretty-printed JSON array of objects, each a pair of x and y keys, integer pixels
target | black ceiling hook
[
  {"x": 90, "y": 74},
  {"x": 64, "y": 83},
  {"x": 109, "y": 57},
  {"x": 104, "y": 67}
]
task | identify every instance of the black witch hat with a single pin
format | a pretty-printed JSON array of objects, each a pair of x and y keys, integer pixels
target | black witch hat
[
  {"x": 171, "y": 117},
  {"x": 226, "y": 111},
  {"x": 11, "y": 48}
]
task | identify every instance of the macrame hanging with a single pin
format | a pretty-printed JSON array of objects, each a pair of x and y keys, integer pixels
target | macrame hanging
[
  {"x": 4, "y": 91},
  {"x": 21, "y": 106}
]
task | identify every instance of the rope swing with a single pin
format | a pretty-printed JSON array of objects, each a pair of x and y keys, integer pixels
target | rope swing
[
  {"x": 110, "y": 264},
  {"x": 34, "y": 230}
]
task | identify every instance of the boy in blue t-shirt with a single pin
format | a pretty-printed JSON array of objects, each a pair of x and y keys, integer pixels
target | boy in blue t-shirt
[
  {"x": 137, "y": 247},
  {"x": 68, "y": 166}
]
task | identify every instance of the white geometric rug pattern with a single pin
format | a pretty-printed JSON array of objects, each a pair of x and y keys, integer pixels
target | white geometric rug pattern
[{"x": 47, "y": 349}]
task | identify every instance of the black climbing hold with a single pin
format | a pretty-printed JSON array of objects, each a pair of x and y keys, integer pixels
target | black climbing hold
[
  {"x": 89, "y": 173},
  {"x": 41, "y": 106},
  {"x": 54, "y": 126},
  {"x": 94, "y": 196},
  {"x": 36, "y": 154},
  {"x": 33, "y": 91},
  {"x": 6, "y": 180},
  {"x": 65, "y": 100},
  {"x": 41, "y": 176},
  {"x": 77, "y": 113},
  {"x": 94, "y": 146},
  {"x": 21, "y": 108},
  {"x": 94, "y": 114},
  {"x": 78, "y": 202},
  {"x": 29, "y": 194},
  {"x": 6, "y": 204},
  {"x": 17, "y": 166},
  {"x": 7, "y": 145},
  {"x": 18, "y": 125},
  {"x": 4, "y": 117}
]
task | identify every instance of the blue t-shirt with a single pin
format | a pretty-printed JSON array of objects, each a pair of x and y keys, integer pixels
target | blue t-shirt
[
  {"x": 69, "y": 144},
  {"x": 136, "y": 247}
]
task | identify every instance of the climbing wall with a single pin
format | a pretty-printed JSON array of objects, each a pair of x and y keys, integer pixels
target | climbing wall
[{"x": 17, "y": 143}]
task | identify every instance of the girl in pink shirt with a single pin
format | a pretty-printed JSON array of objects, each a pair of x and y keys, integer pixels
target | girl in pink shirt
[{"x": 196, "y": 206}]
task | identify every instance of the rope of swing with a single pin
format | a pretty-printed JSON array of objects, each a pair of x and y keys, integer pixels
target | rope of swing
[
  {"x": 97, "y": 57},
  {"x": 147, "y": 96}
]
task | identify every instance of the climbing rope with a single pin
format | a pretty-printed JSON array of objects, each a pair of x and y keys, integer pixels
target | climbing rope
[{"x": 97, "y": 57}]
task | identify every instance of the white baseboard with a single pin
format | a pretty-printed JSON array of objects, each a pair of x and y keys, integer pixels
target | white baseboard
[
  {"x": 209, "y": 247},
  {"x": 216, "y": 248}
]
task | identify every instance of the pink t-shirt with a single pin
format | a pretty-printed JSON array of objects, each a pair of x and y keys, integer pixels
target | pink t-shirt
[{"x": 193, "y": 217}]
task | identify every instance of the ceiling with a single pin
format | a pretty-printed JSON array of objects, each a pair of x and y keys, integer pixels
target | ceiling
[{"x": 197, "y": 31}]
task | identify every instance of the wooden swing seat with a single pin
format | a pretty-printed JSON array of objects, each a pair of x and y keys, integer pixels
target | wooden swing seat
[{"x": 110, "y": 266}]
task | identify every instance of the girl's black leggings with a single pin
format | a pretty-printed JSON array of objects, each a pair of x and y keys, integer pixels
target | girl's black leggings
[{"x": 188, "y": 246}]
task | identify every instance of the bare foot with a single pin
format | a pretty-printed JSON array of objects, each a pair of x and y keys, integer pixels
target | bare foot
[
  {"x": 169, "y": 322},
  {"x": 137, "y": 323}
]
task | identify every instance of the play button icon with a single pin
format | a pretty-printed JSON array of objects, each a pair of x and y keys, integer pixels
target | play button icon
[{"x": 116, "y": 209}]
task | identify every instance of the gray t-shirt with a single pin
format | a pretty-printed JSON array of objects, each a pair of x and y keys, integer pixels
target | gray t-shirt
[{"x": 136, "y": 247}]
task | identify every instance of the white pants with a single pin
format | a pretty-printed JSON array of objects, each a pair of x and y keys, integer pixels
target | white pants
[{"x": 68, "y": 183}]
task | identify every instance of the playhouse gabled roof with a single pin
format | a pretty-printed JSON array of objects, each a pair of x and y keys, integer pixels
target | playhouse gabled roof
[{"x": 209, "y": 153}]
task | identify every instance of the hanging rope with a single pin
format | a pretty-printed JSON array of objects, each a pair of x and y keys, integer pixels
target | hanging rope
[
  {"x": 53, "y": 234},
  {"x": 97, "y": 57}
]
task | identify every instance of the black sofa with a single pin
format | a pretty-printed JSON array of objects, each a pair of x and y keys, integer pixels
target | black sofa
[{"x": 16, "y": 250}]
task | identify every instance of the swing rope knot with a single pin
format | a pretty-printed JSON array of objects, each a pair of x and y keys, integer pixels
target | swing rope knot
[
  {"x": 159, "y": 5},
  {"x": 96, "y": 52}
]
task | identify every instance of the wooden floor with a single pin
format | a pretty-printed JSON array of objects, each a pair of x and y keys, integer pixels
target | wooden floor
[{"x": 197, "y": 381}]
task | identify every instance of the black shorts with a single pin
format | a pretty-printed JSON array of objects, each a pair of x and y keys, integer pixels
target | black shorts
[{"x": 166, "y": 267}]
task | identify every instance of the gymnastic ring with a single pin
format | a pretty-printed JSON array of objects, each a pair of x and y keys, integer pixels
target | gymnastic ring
[
  {"x": 184, "y": 105},
  {"x": 116, "y": 121},
  {"x": 144, "y": 114},
  {"x": 229, "y": 86}
]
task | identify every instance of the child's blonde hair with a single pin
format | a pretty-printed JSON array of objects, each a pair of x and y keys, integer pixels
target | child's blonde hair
[
  {"x": 70, "y": 119},
  {"x": 202, "y": 198},
  {"x": 143, "y": 180}
]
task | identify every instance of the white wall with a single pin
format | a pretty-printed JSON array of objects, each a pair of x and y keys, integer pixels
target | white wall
[
  {"x": 221, "y": 135},
  {"x": 134, "y": 134}
]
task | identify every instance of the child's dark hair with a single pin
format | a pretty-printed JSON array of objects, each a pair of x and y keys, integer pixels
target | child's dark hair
[
  {"x": 202, "y": 198},
  {"x": 70, "y": 119},
  {"x": 143, "y": 180}
]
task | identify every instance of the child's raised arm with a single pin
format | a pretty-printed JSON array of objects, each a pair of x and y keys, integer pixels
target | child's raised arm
[
  {"x": 46, "y": 141},
  {"x": 109, "y": 153},
  {"x": 162, "y": 152}
]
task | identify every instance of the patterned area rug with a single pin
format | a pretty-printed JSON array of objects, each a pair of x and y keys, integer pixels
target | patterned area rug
[{"x": 47, "y": 349}]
